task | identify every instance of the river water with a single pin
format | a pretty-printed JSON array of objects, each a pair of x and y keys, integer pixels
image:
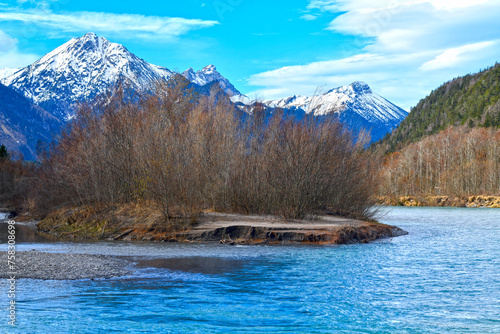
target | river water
[{"x": 444, "y": 277}]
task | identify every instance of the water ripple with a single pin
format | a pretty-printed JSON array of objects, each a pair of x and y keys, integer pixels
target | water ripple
[{"x": 443, "y": 277}]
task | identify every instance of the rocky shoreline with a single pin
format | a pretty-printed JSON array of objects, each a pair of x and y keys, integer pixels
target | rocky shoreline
[
  {"x": 62, "y": 266},
  {"x": 480, "y": 201}
]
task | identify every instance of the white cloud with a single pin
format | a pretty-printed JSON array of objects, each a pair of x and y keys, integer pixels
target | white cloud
[
  {"x": 455, "y": 56},
  {"x": 7, "y": 43},
  {"x": 308, "y": 17},
  {"x": 451, "y": 4},
  {"x": 324, "y": 5},
  {"x": 131, "y": 25},
  {"x": 402, "y": 48},
  {"x": 40, "y": 3},
  {"x": 393, "y": 5},
  {"x": 10, "y": 56}
]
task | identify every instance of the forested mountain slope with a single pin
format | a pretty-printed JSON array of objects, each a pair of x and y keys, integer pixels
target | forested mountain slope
[
  {"x": 472, "y": 100},
  {"x": 23, "y": 124}
]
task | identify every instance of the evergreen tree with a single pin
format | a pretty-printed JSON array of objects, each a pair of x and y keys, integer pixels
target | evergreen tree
[
  {"x": 471, "y": 100},
  {"x": 4, "y": 155}
]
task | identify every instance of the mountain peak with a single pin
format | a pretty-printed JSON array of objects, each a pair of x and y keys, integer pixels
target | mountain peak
[
  {"x": 189, "y": 74},
  {"x": 209, "y": 69},
  {"x": 207, "y": 75},
  {"x": 360, "y": 87},
  {"x": 90, "y": 35},
  {"x": 356, "y": 105},
  {"x": 80, "y": 69},
  {"x": 86, "y": 66},
  {"x": 92, "y": 41}
]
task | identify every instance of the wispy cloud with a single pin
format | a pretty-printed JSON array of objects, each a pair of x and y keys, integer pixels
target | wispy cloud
[
  {"x": 10, "y": 56},
  {"x": 454, "y": 56},
  {"x": 308, "y": 17},
  {"x": 402, "y": 48},
  {"x": 131, "y": 25},
  {"x": 39, "y": 3},
  {"x": 7, "y": 43}
]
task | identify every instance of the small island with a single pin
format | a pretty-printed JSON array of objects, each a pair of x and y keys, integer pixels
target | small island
[{"x": 211, "y": 227}]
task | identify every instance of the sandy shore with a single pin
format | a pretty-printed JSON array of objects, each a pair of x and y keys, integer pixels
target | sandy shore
[{"x": 61, "y": 266}]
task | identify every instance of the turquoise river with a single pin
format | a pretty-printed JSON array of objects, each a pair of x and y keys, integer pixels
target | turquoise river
[{"x": 443, "y": 277}]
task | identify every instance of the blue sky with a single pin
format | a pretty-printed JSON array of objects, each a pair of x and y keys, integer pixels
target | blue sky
[{"x": 268, "y": 49}]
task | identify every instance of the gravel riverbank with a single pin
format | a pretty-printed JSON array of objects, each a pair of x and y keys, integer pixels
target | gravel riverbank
[{"x": 60, "y": 266}]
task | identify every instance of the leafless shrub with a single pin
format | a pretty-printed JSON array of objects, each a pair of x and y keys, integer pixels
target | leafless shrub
[
  {"x": 16, "y": 178},
  {"x": 455, "y": 162},
  {"x": 187, "y": 152}
]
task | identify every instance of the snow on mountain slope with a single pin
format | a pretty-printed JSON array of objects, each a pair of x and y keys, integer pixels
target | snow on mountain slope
[
  {"x": 87, "y": 66},
  {"x": 356, "y": 105},
  {"x": 357, "y": 97},
  {"x": 81, "y": 69},
  {"x": 5, "y": 72},
  {"x": 209, "y": 74}
]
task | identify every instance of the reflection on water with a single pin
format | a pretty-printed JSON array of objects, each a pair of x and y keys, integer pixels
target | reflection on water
[
  {"x": 197, "y": 264},
  {"x": 25, "y": 233}
]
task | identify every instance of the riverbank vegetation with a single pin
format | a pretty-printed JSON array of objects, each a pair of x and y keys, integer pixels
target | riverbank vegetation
[
  {"x": 447, "y": 151},
  {"x": 458, "y": 163},
  {"x": 16, "y": 177},
  {"x": 182, "y": 153}
]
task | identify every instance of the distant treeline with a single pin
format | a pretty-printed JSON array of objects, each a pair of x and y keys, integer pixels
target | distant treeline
[
  {"x": 456, "y": 162},
  {"x": 184, "y": 153}
]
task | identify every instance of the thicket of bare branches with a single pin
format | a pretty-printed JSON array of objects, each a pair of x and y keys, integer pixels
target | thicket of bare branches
[
  {"x": 186, "y": 153},
  {"x": 16, "y": 181},
  {"x": 456, "y": 162}
]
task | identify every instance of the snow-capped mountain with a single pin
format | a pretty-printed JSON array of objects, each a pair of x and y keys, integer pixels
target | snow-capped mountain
[
  {"x": 209, "y": 74},
  {"x": 5, "y": 72},
  {"x": 88, "y": 66},
  {"x": 356, "y": 105},
  {"x": 81, "y": 69},
  {"x": 76, "y": 71}
]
